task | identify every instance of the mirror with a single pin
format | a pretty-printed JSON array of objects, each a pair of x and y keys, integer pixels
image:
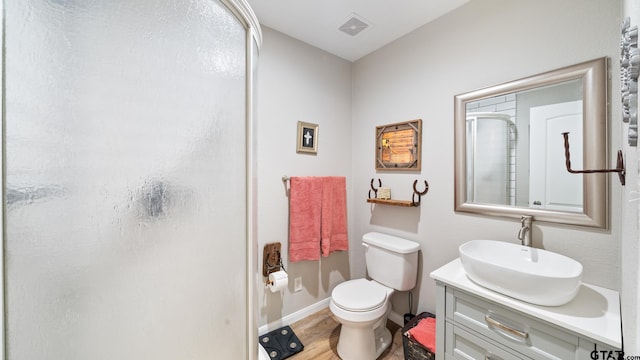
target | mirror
[
  {"x": 509, "y": 148},
  {"x": 398, "y": 146}
]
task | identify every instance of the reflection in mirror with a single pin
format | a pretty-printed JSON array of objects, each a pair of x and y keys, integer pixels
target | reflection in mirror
[
  {"x": 521, "y": 128},
  {"x": 510, "y": 151},
  {"x": 491, "y": 137}
]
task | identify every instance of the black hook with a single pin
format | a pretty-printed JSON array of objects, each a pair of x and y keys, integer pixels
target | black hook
[
  {"x": 375, "y": 191},
  {"x": 419, "y": 193}
]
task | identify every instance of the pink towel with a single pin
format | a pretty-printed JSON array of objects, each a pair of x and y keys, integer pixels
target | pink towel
[
  {"x": 305, "y": 205},
  {"x": 425, "y": 333},
  {"x": 334, "y": 215}
]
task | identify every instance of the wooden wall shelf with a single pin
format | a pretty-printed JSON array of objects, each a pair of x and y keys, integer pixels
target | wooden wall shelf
[
  {"x": 394, "y": 202},
  {"x": 413, "y": 203}
]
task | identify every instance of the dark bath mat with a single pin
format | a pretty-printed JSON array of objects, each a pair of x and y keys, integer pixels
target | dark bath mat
[{"x": 281, "y": 343}]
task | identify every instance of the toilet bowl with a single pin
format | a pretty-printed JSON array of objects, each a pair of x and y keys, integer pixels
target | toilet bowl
[{"x": 362, "y": 306}]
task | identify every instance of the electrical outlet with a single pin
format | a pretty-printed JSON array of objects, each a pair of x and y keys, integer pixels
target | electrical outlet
[{"x": 297, "y": 284}]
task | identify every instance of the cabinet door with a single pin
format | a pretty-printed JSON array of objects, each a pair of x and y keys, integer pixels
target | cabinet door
[
  {"x": 539, "y": 340},
  {"x": 461, "y": 344}
]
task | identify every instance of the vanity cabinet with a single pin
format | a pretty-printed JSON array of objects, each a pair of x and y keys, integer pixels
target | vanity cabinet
[{"x": 477, "y": 323}]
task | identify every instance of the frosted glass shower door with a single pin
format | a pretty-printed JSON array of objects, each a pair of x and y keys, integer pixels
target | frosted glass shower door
[{"x": 125, "y": 155}]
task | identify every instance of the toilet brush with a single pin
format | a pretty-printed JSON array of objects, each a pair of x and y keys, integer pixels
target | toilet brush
[{"x": 408, "y": 316}]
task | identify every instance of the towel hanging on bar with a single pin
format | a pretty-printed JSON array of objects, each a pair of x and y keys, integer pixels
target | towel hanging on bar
[
  {"x": 305, "y": 210},
  {"x": 317, "y": 216}
]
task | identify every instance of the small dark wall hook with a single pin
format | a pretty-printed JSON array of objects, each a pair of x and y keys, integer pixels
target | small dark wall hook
[
  {"x": 419, "y": 193},
  {"x": 620, "y": 169},
  {"x": 375, "y": 190}
]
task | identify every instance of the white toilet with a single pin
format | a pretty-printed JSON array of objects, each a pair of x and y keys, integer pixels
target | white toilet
[{"x": 362, "y": 306}]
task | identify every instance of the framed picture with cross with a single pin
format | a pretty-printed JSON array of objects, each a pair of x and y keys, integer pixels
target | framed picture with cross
[{"x": 307, "y": 138}]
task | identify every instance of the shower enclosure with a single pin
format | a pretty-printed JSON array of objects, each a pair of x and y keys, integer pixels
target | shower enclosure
[
  {"x": 127, "y": 153},
  {"x": 491, "y": 172}
]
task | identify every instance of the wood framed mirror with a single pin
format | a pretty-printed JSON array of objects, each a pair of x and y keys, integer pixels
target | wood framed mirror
[{"x": 399, "y": 146}]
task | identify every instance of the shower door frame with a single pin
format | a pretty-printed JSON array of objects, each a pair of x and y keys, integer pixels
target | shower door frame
[
  {"x": 253, "y": 41},
  {"x": 2, "y": 100},
  {"x": 244, "y": 13}
]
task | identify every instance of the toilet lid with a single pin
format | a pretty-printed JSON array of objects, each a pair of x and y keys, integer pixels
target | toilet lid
[{"x": 359, "y": 295}]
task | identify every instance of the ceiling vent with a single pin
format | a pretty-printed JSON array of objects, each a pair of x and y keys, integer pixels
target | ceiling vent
[{"x": 354, "y": 25}]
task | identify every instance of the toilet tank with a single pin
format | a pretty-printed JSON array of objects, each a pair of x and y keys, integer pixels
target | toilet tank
[{"x": 391, "y": 261}]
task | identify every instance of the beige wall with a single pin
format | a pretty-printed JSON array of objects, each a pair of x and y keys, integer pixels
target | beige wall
[
  {"x": 418, "y": 77},
  {"x": 297, "y": 82}
]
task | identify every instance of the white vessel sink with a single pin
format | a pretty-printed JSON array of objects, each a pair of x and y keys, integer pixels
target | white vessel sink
[{"x": 536, "y": 276}]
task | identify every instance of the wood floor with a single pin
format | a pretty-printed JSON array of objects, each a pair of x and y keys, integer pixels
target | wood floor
[{"x": 319, "y": 334}]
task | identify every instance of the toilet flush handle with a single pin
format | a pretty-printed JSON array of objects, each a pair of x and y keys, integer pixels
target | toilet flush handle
[{"x": 366, "y": 246}]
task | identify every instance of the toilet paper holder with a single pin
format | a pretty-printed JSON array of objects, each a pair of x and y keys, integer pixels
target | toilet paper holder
[{"x": 271, "y": 260}]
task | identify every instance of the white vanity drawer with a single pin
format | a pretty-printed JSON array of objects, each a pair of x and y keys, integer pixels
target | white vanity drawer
[
  {"x": 461, "y": 344},
  {"x": 526, "y": 335}
]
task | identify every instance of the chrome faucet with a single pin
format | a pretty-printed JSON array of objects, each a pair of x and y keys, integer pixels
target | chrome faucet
[{"x": 524, "y": 235}]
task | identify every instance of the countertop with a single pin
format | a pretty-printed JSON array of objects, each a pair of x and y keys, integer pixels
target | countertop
[{"x": 594, "y": 313}]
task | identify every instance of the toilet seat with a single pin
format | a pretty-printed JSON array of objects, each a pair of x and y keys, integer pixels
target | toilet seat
[{"x": 360, "y": 295}]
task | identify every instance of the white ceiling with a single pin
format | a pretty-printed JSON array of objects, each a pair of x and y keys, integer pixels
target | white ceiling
[{"x": 317, "y": 22}]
